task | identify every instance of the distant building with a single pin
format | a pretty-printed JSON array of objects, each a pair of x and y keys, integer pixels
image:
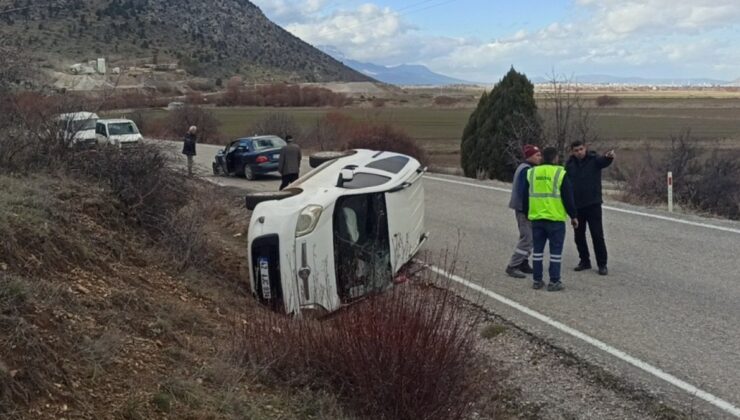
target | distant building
[{"x": 101, "y": 66}]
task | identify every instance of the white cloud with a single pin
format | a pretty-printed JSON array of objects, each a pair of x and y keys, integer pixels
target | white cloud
[
  {"x": 620, "y": 18},
  {"x": 675, "y": 37},
  {"x": 368, "y": 33}
]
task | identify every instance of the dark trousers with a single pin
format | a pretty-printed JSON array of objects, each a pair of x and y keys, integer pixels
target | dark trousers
[
  {"x": 592, "y": 216},
  {"x": 287, "y": 179},
  {"x": 544, "y": 231}
]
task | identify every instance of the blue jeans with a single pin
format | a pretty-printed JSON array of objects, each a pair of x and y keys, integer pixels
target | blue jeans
[{"x": 543, "y": 231}]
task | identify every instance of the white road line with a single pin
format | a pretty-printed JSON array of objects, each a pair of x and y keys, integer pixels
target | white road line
[
  {"x": 710, "y": 398},
  {"x": 617, "y": 209}
]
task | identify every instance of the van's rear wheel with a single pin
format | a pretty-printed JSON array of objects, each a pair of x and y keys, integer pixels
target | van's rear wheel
[
  {"x": 319, "y": 158},
  {"x": 252, "y": 199}
]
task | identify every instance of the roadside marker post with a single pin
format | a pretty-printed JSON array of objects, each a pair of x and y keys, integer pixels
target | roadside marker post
[{"x": 670, "y": 191}]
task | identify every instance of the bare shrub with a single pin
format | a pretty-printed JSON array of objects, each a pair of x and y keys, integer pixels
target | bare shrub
[
  {"x": 195, "y": 98},
  {"x": 606, "y": 100},
  {"x": 277, "y": 123},
  {"x": 281, "y": 95},
  {"x": 233, "y": 94},
  {"x": 330, "y": 132},
  {"x": 385, "y": 137},
  {"x": 202, "y": 85},
  {"x": 444, "y": 100},
  {"x": 717, "y": 187},
  {"x": 30, "y": 373},
  {"x": 709, "y": 184},
  {"x": 140, "y": 180},
  {"x": 180, "y": 119},
  {"x": 406, "y": 354},
  {"x": 378, "y": 102},
  {"x": 186, "y": 233}
]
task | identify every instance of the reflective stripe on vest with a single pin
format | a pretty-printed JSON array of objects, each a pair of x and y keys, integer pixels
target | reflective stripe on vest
[{"x": 545, "y": 202}]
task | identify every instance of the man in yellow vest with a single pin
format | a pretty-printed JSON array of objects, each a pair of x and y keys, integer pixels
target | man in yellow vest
[{"x": 548, "y": 202}]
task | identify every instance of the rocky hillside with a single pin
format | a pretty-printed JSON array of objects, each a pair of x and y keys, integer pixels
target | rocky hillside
[{"x": 215, "y": 38}]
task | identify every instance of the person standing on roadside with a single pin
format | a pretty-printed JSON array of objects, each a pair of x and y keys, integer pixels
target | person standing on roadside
[
  {"x": 518, "y": 265},
  {"x": 289, "y": 164},
  {"x": 188, "y": 147},
  {"x": 584, "y": 169},
  {"x": 548, "y": 201}
]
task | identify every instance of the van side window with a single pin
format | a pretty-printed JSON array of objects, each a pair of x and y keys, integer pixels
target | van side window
[
  {"x": 364, "y": 180},
  {"x": 100, "y": 129},
  {"x": 392, "y": 164}
]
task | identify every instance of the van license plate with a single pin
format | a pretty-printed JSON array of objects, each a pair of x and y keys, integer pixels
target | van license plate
[{"x": 265, "y": 277}]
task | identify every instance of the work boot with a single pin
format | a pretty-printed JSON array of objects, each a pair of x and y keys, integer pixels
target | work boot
[
  {"x": 514, "y": 272},
  {"x": 555, "y": 286},
  {"x": 603, "y": 271},
  {"x": 583, "y": 266},
  {"x": 525, "y": 268},
  {"x": 537, "y": 285}
]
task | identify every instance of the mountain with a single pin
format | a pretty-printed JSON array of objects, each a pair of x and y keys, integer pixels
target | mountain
[
  {"x": 404, "y": 74},
  {"x": 215, "y": 38},
  {"x": 602, "y": 79}
]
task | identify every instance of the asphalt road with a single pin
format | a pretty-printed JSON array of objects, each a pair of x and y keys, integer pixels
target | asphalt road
[{"x": 671, "y": 300}]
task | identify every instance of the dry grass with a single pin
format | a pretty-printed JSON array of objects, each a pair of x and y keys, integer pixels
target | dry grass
[{"x": 394, "y": 356}]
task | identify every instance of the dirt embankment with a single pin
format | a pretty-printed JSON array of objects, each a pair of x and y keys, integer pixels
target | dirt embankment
[{"x": 101, "y": 318}]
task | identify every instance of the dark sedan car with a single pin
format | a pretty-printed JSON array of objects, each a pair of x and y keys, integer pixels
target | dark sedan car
[{"x": 249, "y": 156}]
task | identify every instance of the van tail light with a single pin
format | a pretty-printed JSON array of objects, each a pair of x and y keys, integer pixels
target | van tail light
[{"x": 261, "y": 159}]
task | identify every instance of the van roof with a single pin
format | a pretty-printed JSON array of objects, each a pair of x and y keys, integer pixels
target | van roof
[
  {"x": 115, "y": 120},
  {"x": 81, "y": 115}
]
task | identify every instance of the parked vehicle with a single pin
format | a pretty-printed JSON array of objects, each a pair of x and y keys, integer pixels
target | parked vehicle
[
  {"x": 337, "y": 234},
  {"x": 249, "y": 156},
  {"x": 78, "y": 128},
  {"x": 118, "y": 132}
]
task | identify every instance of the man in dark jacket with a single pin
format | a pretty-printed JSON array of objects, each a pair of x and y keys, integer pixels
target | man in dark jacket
[
  {"x": 584, "y": 169},
  {"x": 188, "y": 147},
  {"x": 289, "y": 164}
]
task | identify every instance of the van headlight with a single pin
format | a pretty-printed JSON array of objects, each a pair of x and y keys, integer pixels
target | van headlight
[{"x": 307, "y": 220}]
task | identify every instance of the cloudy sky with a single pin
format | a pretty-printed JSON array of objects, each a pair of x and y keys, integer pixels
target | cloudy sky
[{"x": 479, "y": 40}]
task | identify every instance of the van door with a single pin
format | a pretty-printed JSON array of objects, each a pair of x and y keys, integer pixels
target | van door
[
  {"x": 101, "y": 133},
  {"x": 361, "y": 245}
]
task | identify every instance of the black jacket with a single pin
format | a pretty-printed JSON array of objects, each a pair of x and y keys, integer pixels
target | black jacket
[
  {"x": 585, "y": 175},
  {"x": 188, "y": 144}
]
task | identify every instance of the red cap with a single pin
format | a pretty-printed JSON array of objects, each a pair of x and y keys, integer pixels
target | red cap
[{"x": 529, "y": 150}]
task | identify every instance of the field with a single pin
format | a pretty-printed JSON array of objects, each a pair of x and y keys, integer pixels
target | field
[{"x": 637, "y": 120}]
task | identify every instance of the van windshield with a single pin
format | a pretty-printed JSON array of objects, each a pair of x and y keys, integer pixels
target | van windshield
[
  {"x": 119, "y": 129},
  {"x": 80, "y": 125}
]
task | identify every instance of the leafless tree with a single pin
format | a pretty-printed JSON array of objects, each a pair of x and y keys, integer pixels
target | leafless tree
[{"x": 567, "y": 117}]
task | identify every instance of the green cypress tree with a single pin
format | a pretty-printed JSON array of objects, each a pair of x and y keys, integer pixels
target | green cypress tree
[{"x": 504, "y": 118}]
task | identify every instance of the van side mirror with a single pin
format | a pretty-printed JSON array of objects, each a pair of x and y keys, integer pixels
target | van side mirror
[{"x": 345, "y": 175}]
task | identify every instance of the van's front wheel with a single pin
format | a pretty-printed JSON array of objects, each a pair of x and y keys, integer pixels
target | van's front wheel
[
  {"x": 320, "y": 158},
  {"x": 254, "y": 198}
]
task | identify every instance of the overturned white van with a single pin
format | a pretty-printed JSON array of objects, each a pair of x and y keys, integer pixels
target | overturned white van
[{"x": 337, "y": 234}]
